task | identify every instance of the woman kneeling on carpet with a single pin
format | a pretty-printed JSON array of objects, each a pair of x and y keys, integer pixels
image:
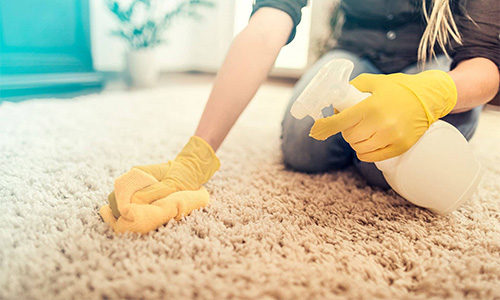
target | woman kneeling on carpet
[{"x": 382, "y": 38}]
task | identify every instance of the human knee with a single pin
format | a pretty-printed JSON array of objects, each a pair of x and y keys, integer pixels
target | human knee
[
  {"x": 305, "y": 154},
  {"x": 302, "y": 161}
]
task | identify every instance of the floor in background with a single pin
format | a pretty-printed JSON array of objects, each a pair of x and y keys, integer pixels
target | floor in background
[{"x": 268, "y": 234}]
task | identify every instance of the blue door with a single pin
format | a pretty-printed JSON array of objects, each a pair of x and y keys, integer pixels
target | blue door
[{"x": 45, "y": 47}]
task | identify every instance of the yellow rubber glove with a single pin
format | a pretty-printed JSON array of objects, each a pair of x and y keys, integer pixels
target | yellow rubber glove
[
  {"x": 391, "y": 120},
  {"x": 192, "y": 167}
]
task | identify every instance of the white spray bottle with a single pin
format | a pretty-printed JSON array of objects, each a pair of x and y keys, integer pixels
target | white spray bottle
[{"x": 439, "y": 172}]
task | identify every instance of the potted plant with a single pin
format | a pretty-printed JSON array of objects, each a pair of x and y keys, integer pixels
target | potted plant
[{"x": 142, "y": 25}]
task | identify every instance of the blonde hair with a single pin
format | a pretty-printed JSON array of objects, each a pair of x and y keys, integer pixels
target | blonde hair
[{"x": 440, "y": 27}]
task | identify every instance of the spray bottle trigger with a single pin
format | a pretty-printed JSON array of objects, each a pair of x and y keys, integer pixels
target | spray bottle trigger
[{"x": 318, "y": 115}]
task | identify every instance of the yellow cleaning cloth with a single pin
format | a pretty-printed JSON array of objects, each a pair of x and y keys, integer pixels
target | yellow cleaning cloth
[{"x": 143, "y": 218}]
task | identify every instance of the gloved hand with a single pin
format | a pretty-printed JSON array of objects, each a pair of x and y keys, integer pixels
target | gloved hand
[
  {"x": 146, "y": 194},
  {"x": 391, "y": 120},
  {"x": 143, "y": 218}
]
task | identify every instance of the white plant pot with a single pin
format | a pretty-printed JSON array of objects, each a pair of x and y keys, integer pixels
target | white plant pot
[{"x": 142, "y": 67}]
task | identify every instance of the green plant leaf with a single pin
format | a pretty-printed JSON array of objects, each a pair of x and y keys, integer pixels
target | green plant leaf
[
  {"x": 149, "y": 33},
  {"x": 120, "y": 33},
  {"x": 128, "y": 13},
  {"x": 115, "y": 9},
  {"x": 195, "y": 15},
  {"x": 147, "y": 3},
  {"x": 138, "y": 31},
  {"x": 202, "y": 3}
]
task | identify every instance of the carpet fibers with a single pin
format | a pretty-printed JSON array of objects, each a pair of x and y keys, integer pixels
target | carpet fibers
[{"x": 268, "y": 233}]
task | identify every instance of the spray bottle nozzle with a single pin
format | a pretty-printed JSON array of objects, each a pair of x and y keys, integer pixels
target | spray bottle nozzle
[{"x": 328, "y": 87}]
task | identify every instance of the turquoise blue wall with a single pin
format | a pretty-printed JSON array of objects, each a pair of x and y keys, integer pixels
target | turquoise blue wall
[
  {"x": 45, "y": 49},
  {"x": 44, "y": 36}
]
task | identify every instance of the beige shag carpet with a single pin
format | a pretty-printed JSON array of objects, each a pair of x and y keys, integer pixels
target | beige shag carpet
[{"x": 269, "y": 233}]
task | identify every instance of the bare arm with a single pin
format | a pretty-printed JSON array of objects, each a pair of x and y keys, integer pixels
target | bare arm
[
  {"x": 246, "y": 66},
  {"x": 477, "y": 81}
]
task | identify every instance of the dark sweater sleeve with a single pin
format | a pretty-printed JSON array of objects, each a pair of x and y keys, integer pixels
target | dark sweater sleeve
[
  {"x": 291, "y": 7},
  {"x": 481, "y": 35}
]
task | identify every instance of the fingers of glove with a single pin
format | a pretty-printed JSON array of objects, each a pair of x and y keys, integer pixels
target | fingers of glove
[
  {"x": 140, "y": 218},
  {"x": 326, "y": 127},
  {"x": 182, "y": 203},
  {"x": 154, "y": 192},
  {"x": 387, "y": 152},
  {"x": 158, "y": 171},
  {"x": 366, "y": 82},
  {"x": 376, "y": 141},
  {"x": 358, "y": 133},
  {"x": 321, "y": 129},
  {"x": 129, "y": 183}
]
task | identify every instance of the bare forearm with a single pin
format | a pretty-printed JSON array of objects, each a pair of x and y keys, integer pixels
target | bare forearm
[
  {"x": 477, "y": 82},
  {"x": 246, "y": 66}
]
